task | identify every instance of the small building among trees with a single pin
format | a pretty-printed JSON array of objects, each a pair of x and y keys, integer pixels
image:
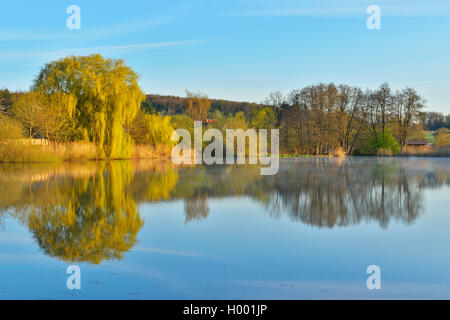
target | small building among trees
[{"x": 418, "y": 146}]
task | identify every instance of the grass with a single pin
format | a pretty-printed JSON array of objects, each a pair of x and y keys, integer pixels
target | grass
[
  {"x": 151, "y": 152},
  {"x": 338, "y": 152},
  {"x": 18, "y": 151},
  {"x": 385, "y": 152},
  {"x": 429, "y": 136},
  {"x": 12, "y": 152},
  {"x": 73, "y": 151}
]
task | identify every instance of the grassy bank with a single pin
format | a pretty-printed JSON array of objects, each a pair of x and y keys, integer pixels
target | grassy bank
[
  {"x": 437, "y": 152},
  {"x": 13, "y": 152},
  {"x": 22, "y": 152}
]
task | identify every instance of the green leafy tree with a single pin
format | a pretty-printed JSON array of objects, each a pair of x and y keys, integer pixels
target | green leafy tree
[
  {"x": 237, "y": 122},
  {"x": 6, "y": 100},
  {"x": 386, "y": 142},
  {"x": 181, "y": 121},
  {"x": 264, "y": 118}
]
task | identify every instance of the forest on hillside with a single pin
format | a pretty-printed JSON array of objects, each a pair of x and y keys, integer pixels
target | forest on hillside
[{"x": 170, "y": 105}]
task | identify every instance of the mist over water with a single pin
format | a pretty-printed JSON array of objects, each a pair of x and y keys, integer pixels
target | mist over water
[{"x": 146, "y": 229}]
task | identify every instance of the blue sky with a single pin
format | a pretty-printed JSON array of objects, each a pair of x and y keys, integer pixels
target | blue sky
[{"x": 238, "y": 49}]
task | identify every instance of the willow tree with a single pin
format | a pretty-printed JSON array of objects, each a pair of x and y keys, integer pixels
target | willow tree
[{"x": 107, "y": 98}]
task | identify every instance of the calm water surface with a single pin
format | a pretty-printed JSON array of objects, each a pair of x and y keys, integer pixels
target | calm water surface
[{"x": 148, "y": 230}]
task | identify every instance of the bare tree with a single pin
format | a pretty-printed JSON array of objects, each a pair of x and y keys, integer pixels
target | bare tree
[
  {"x": 408, "y": 104},
  {"x": 198, "y": 106},
  {"x": 384, "y": 105},
  {"x": 27, "y": 110},
  {"x": 276, "y": 100}
]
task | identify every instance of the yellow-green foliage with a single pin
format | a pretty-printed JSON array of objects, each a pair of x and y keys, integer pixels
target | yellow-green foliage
[
  {"x": 181, "y": 121},
  {"x": 159, "y": 185},
  {"x": 58, "y": 116},
  {"x": 237, "y": 121},
  {"x": 152, "y": 129},
  {"x": 13, "y": 152},
  {"x": 15, "y": 149},
  {"x": 95, "y": 219},
  {"x": 9, "y": 129},
  {"x": 26, "y": 109},
  {"x": 443, "y": 138},
  {"x": 263, "y": 118},
  {"x": 107, "y": 98},
  {"x": 50, "y": 116},
  {"x": 84, "y": 212}
]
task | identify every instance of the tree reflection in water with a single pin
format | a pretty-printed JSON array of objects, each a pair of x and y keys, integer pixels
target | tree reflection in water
[
  {"x": 88, "y": 212},
  {"x": 324, "y": 193},
  {"x": 85, "y": 219}
]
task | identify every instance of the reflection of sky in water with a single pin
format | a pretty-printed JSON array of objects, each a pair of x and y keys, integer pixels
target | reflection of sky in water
[{"x": 240, "y": 250}]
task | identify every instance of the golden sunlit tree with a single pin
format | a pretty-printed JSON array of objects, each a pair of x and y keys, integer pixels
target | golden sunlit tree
[
  {"x": 153, "y": 129},
  {"x": 442, "y": 137},
  {"x": 107, "y": 98},
  {"x": 57, "y": 118},
  {"x": 47, "y": 116},
  {"x": 26, "y": 109}
]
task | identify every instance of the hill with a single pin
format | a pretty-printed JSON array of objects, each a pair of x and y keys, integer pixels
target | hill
[{"x": 170, "y": 105}]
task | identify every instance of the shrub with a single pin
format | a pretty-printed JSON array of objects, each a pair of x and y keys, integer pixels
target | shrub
[
  {"x": 443, "y": 138},
  {"x": 386, "y": 143},
  {"x": 181, "y": 121},
  {"x": 151, "y": 129},
  {"x": 10, "y": 129}
]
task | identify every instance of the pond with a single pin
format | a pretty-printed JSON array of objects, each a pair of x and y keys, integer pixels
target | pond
[{"x": 150, "y": 230}]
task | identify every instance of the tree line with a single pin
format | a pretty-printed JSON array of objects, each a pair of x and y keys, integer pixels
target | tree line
[
  {"x": 435, "y": 120},
  {"x": 328, "y": 118},
  {"x": 81, "y": 99},
  {"x": 172, "y": 105},
  {"x": 323, "y": 118},
  {"x": 98, "y": 100}
]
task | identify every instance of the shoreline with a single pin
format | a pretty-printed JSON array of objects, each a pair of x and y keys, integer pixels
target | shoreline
[{"x": 281, "y": 156}]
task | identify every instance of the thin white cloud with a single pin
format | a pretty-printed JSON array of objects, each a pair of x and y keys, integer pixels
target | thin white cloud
[
  {"x": 301, "y": 12},
  {"x": 106, "y": 50},
  {"x": 121, "y": 48},
  {"x": 334, "y": 9},
  {"x": 86, "y": 32},
  {"x": 92, "y": 32}
]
